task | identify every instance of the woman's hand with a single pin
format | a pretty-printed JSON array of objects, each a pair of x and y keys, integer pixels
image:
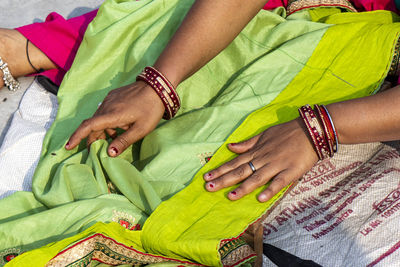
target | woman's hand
[
  {"x": 282, "y": 153},
  {"x": 135, "y": 108}
]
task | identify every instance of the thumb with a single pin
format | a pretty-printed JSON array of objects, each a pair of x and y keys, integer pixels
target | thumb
[
  {"x": 244, "y": 146},
  {"x": 123, "y": 141}
]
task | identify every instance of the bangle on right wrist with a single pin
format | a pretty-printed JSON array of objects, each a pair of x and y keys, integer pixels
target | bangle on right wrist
[{"x": 164, "y": 89}]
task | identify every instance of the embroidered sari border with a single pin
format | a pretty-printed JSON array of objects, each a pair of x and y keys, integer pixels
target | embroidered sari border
[
  {"x": 394, "y": 66},
  {"x": 297, "y": 5},
  {"x": 69, "y": 255}
]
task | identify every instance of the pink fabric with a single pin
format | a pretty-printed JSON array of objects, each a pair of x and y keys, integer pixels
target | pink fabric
[{"x": 59, "y": 39}]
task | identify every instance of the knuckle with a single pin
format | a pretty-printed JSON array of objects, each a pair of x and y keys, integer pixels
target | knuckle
[
  {"x": 280, "y": 181},
  {"x": 123, "y": 141},
  {"x": 140, "y": 131},
  {"x": 86, "y": 123},
  {"x": 239, "y": 172},
  {"x": 225, "y": 181},
  {"x": 219, "y": 171},
  {"x": 252, "y": 183},
  {"x": 253, "y": 153},
  {"x": 257, "y": 179},
  {"x": 231, "y": 164},
  {"x": 222, "y": 182}
]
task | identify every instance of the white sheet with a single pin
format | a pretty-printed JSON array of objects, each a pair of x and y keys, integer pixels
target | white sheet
[{"x": 20, "y": 151}]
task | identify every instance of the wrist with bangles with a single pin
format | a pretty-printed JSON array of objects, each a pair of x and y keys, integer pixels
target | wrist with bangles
[
  {"x": 164, "y": 89},
  {"x": 321, "y": 130},
  {"x": 9, "y": 80}
]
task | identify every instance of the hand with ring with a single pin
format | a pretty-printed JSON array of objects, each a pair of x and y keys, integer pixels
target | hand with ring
[{"x": 281, "y": 154}]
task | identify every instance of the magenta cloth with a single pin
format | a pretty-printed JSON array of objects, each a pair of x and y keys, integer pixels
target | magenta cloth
[
  {"x": 360, "y": 5},
  {"x": 59, "y": 39},
  {"x": 369, "y": 5},
  {"x": 275, "y": 3}
]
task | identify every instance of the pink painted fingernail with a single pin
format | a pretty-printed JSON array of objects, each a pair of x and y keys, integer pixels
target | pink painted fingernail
[
  {"x": 67, "y": 145},
  {"x": 233, "y": 193},
  {"x": 211, "y": 185},
  {"x": 114, "y": 151},
  {"x": 233, "y": 144},
  {"x": 207, "y": 176}
]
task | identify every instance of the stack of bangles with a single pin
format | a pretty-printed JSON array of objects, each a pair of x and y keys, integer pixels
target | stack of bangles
[
  {"x": 321, "y": 129},
  {"x": 164, "y": 89}
]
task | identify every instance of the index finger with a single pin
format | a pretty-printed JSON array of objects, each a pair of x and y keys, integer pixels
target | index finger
[
  {"x": 227, "y": 167},
  {"x": 94, "y": 124}
]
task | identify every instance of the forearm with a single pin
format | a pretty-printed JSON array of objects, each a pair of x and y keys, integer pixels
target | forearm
[
  {"x": 209, "y": 27},
  {"x": 369, "y": 119}
]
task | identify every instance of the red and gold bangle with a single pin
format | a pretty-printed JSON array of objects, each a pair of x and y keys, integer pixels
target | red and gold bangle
[
  {"x": 315, "y": 130},
  {"x": 164, "y": 89},
  {"x": 331, "y": 128},
  {"x": 327, "y": 130}
]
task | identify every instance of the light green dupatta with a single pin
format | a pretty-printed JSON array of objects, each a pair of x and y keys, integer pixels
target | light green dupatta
[{"x": 275, "y": 65}]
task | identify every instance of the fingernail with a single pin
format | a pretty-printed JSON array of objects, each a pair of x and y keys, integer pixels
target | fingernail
[
  {"x": 262, "y": 198},
  {"x": 114, "y": 151},
  {"x": 233, "y": 144},
  {"x": 207, "y": 176},
  {"x": 233, "y": 193},
  {"x": 210, "y": 184},
  {"x": 67, "y": 145}
]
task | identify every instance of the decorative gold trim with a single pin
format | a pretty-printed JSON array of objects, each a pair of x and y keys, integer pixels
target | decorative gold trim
[
  {"x": 8, "y": 254},
  {"x": 103, "y": 249},
  {"x": 297, "y": 5},
  {"x": 394, "y": 66},
  {"x": 235, "y": 251},
  {"x": 204, "y": 156}
]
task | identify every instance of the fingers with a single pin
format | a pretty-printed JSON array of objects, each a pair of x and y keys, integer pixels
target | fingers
[
  {"x": 278, "y": 183},
  {"x": 86, "y": 128},
  {"x": 94, "y": 137},
  {"x": 123, "y": 141},
  {"x": 230, "y": 178},
  {"x": 123, "y": 108},
  {"x": 251, "y": 180},
  {"x": 244, "y": 146},
  {"x": 111, "y": 133},
  {"x": 237, "y": 163},
  {"x": 239, "y": 169},
  {"x": 256, "y": 180},
  {"x": 234, "y": 164}
]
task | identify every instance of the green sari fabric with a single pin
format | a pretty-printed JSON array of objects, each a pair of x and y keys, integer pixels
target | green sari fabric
[{"x": 274, "y": 66}]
